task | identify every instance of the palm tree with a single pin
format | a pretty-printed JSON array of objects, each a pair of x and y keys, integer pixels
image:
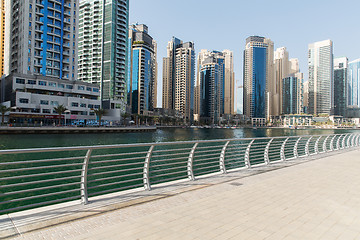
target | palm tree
[
  {"x": 99, "y": 113},
  {"x": 60, "y": 110},
  {"x": 3, "y": 110}
]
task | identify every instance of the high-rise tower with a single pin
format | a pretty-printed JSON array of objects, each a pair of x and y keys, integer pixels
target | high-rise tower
[
  {"x": 354, "y": 83},
  {"x": 2, "y": 36},
  {"x": 103, "y": 30},
  {"x": 42, "y": 38},
  {"x": 258, "y": 76},
  {"x": 320, "y": 60},
  {"x": 340, "y": 86},
  {"x": 179, "y": 78},
  {"x": 281, "y": 70},
  {"x": 142, "y": 77},
  {"x": 215, "y": 74}
]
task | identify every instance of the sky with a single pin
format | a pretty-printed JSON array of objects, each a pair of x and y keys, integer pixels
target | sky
[{"x": 219, "y": 25}]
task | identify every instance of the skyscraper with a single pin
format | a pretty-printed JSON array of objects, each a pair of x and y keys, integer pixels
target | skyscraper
[
  {"x": 42, "y": 38},
  {"x": 258, "y": 76},
  {"x": 142, "y": 77},
  {"x": 2, "y": 36},
  {"x": 320, "y": 60},
  {"x": 222, "y": 64},
  {"x": 340, "y": 86},
  {"x": 103, "y": 30},
  {"x": 179, "y": 77},
  {"x": 354, "y": 83},
  {"x": 281, "y": 70},
  {"x": 292, "y": 93}
]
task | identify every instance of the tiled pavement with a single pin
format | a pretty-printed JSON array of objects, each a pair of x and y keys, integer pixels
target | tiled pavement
[{"x": 318, "y": 199}]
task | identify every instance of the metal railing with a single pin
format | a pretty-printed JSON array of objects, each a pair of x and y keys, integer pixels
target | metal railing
[{"x": 37, "y": 177}]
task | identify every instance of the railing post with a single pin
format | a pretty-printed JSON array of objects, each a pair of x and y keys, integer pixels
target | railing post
[
  {"x": 324, "y": 144},
  {"x": 353, "y": 140},
  {"x": 332, "y": 143},
  {"x": 348, "y": 141},
  {"x": 307, "y": 153},
  {"x": 282, "y": 150},
  {"x": 317, "y": 145},
  {"x": 146, "y": 171},
  {"x": 266, "y": 152},
  {"x": 84, "y": 174},
  {"x": 190, "y": 163},
  {"x": 338, "y": 142},
  {"x": 296, "y": 154},
  {"x": 247, "y": 154},
  {"x": 222, "y": 158},
  {"x": 343, "y": 141},
  {"x": 357, "y": 140}
]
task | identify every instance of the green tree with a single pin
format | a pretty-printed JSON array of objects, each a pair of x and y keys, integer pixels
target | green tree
[
  {"x": 60, "y": 110},
  {"x": 100, "y": 113},
  {"x": 3, "y": 110}
]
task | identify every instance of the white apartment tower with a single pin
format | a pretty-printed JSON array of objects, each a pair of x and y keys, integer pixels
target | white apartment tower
[
  {"x": 320, "y": 62},
  {"x": 42, "y": 38},
  {"x": 103, "y": 44}
]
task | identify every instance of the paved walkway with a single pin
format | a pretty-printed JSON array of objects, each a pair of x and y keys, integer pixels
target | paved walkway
[{"x": 318, "y": 199}]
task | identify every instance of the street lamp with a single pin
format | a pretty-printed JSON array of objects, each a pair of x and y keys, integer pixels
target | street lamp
[{"x": 66, "y": 112}]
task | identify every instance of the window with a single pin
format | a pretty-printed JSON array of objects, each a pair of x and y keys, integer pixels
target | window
[
  {"x": 74, "y": 104},
  {"x": 97, "y": 106},
  {"x": 42, "y": 83},
  {"x": 46, "y": 110},
  {"x": 24, "y": 100},
  {"x": 95, "y": 90},
  {"x": 83, "y": 113},
  {"x": 60, "y": 85},
  {"x": 81, "y": 88},
  {"x": 83, "y": 105},
  {"x": 20, "y": 81},
  {"x": 32, "y": 82},
  {"x": 54, "y": 103},
  {"x": 69, "y": 86},
  {"x": 52, "y": 84},
  {"x": 44, "y": 102},
  {"x": 88, "y": 89}
]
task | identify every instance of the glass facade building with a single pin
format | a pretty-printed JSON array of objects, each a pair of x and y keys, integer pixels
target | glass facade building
[
  {"x": 103, "y": 29},
  {"x": 292, "y": 93},
  {"x": 210, "y": 92},
  {"x": 258, "y": 76},
  {"x": 43, "y": 39},
  {"x": 340, "y": 86},
  {"x": 354, "y": 83},
  {"x": 142, "y": 78}
]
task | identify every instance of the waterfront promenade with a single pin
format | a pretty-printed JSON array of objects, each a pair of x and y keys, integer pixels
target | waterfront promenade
[{"x": 307, "y": 198}]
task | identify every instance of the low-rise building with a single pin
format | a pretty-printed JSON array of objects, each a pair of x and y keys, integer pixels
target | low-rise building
[
  {"x": 297, "y": 120},
  {"x": 33, "y": 98}
]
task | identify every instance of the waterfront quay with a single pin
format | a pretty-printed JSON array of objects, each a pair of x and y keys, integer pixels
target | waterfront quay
[
  {"x": 300, "y": 187},
  {"x": 72, "y": 130},
  {"x": 309, "y": 198}
]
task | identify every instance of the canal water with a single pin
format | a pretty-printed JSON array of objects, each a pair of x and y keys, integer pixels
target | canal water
[{"x": 20, "y": 141}]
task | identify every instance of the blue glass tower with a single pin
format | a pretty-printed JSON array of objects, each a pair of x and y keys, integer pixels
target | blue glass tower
[
  {"x": 354, "y": 83},
  {"x": 257, "y": 76},
  {"x": 141, "y": 82}
]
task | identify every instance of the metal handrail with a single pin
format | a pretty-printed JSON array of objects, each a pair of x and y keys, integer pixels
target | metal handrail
[{"x": 119, "y": 167}]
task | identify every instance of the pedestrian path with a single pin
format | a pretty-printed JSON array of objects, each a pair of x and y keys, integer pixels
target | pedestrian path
[{"x": 316, "y": 199}]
